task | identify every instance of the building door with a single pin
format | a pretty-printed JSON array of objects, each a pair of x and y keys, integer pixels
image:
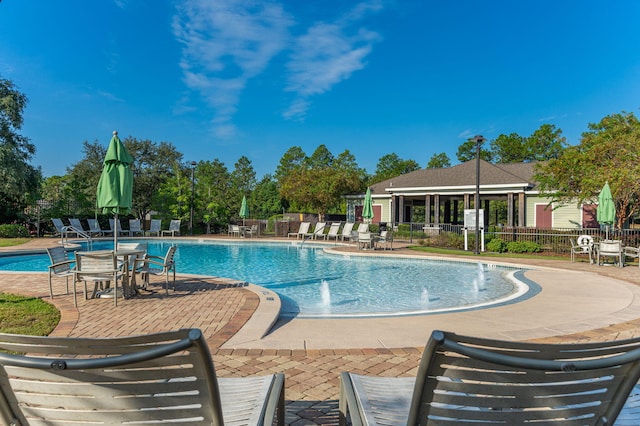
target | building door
[{"x": 544, "y": 216}]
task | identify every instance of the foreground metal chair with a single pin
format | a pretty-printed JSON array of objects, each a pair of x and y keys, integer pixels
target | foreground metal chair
[
  {"x": 158, "y": 378},
  {"x": 61, "y": 266},
  {"x": 467, "y": 380}
]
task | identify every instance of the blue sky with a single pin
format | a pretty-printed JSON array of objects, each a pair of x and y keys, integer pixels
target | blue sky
[{"x": 226, "y": 78}]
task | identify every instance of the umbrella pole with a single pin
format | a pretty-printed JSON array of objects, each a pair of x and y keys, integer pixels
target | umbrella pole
[{"x": 115, "y": 232}]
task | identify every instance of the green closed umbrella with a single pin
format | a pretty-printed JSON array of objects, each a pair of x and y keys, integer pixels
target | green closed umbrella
[
  {"x": 244, "y": 209},
  {"x": 606, "y": 213},
  {"x": 367, "y": 209},
  {"x": 115, "y": 187}
]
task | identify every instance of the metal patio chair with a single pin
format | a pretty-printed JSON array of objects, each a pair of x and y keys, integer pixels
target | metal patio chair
[
  {"x": 468, "y": 380},
  {"x": 164, "y": 378}
]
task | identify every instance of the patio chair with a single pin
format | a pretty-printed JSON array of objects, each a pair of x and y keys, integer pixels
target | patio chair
[
  {"x": 582, "y": 245},
  {"x": 116, "y": 226},
  {"x": 174, "y": 228},
  {"x": 365, "y": 241},
  {"x": 318, "y": 231},
  {"x": 94, "y": 228},
  {"x": 385, "y": 239},
  {"x": 155, "y": 227},
  {"x": 251, "y": 231},
  {"x": 61, "y": 266},
  {"x": 363, "y": 227},
  {"x": 76, "y": 224},
  {"x": 158, "y": 265},
  {"x": 303, "y": 231},
  {"x": 346, "y": 231},
  {"x": 467, "y": 380},
  {"x": 99, "y": 268},
  {"x": 163, "y": 378},
  {"x": 610, "y": 248},
  {"x": 63, "y": 230},
  {"x": 632, "y": 252},
  {"x": 135, "y": 228},
  {"x": 334, "y": 231},
  {"x": 136, "y": 262}
]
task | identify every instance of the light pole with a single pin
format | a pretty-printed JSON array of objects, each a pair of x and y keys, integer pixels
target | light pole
[
  {"x": 193, "y": 190},
  {"x": 478, "y": 140}
]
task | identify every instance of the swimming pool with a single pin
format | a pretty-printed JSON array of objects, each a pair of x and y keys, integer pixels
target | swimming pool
[{"x": 313, "y": 283}]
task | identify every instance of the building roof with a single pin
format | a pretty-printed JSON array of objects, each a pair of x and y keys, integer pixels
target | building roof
[{"x": 461, "y": 176}]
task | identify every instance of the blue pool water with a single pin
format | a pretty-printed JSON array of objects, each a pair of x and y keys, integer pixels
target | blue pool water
[{"x": 312, "y": 283}]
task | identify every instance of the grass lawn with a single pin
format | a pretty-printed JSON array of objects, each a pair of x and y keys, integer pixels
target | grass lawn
[
  {"x": 27, "y": 315},
  {"x": 7, "y": 242}
]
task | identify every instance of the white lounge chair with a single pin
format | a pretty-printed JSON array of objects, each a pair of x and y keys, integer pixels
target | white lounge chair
[
  {"x": 334, "y": 231},
  {"x": 318, "y": 231},
  {"x": 303, "y": 231},
  {"x": 76, "y": 224},
  {"x": 174, "y": 228},
  {"x": 63, "y": 230},
  {"x": 346, "y": 231},
  {"x": 163, "y": 378}
]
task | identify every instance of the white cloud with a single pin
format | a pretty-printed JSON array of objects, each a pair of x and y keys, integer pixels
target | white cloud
[
  {"x": 226, "y": 43},
  {"x": 327, "y": 54}
]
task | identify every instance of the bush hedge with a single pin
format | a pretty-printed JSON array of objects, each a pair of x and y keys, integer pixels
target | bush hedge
[{"x": 13, "y": 231}]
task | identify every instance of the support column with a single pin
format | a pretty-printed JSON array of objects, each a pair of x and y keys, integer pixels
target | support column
[
  {"x": 467, "y": 201},
  {"x": 521, "y": 210},
  {"x": 436, "y": 209},
  {"x": 401, "y": 209},
  {"x": 510, "y": 209},
  {"x": 427, "y": 210},
  {"x": 486, "y": 213}
]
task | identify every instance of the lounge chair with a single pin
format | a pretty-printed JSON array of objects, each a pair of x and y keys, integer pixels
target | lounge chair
[
  {"x": 318, "y": 231},
  {"x": 116, "y": 226},
  {"x": 155, "y": 227},
  {"x": 334, "y": 231},
  {"x": 158, "y": 265},
  {"x": 63, "y": 230},
  {"x": 94, "y": 228},
  {"x": 346, "y": 231},
  {"x": 363, "y": 227},
  {"x": 76, "y": 225},
  {"x": 467, "y": 380},
  {"x": 303, "y": 231},
  {"x": 163, "y": 378},
  {"x": 174, "y": 228},
  {"x": 61, "y": 266},
  {"x": 135, "y": 228},
  {"x": 99, "y": 268}
]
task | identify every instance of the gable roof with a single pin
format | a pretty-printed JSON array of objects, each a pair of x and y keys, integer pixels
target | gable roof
[{"x": 461, "y": 176}]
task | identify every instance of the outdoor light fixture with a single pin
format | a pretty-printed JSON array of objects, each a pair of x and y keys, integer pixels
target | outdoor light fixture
[
  {"x": 478, "y": 140},
  {"x": 193, "y": 190}
]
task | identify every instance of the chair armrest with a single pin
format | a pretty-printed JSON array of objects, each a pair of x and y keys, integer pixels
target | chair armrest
[{"x": 65, "y": 262}]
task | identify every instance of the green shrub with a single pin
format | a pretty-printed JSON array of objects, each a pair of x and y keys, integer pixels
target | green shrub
[
  {"x": 523, "y": 247},
  {"x": 497, "y": 245},
  {"x": 13, "y": 231}
]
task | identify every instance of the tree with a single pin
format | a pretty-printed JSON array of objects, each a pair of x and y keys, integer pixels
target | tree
[
  {"x": 212, "y": 194},
  {"x": 438, "y": 161},
  {"x": 390, "y": 166},
  {"x": 19, "y": 180},
  {"x": 318, "y": 183},
  {"x": 467, "y": 152},
  {"x": 607, "y": 152},
  {"x": 511, "y": 148},
  {"x": 265, "y": 198}
]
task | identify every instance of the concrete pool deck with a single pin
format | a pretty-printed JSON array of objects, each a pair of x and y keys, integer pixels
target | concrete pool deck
[{"x": 578, "y": 302}]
